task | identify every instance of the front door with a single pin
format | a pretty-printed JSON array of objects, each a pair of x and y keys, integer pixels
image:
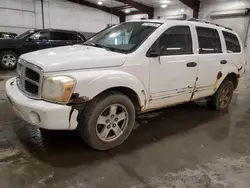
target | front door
[
  {"x": 38, "y": 41},
  {"x": 173, "y": 74}
]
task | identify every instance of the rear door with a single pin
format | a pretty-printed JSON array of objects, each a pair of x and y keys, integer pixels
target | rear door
[
  {"x": 59, "y": 38},
  {"x": 211, "y": 59}
]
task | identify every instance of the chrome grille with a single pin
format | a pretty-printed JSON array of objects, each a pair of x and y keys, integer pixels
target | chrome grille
[
  {"x": 31, "y": 88},
  {"x": 31, "y": 74},
  {"x": 29, "y": 79}
]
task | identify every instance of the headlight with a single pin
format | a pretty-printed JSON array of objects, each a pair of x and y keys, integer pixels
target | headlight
[
  {"x": 58, "y": 88},
  {"x": 19, "y": 67}
]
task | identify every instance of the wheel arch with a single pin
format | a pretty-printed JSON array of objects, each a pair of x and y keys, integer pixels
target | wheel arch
[
  {"x": 99, "y": 82},
  {"x": 231, "y": 72},
  {"x": 130, "y": 93},
  {"x": 10, "y": 49},
  {"x": 234, "y": 78}
]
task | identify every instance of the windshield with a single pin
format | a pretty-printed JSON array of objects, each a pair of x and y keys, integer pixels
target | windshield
[
  {"x": 25, "y": 34},
  {"x": 123, "y": 38}
]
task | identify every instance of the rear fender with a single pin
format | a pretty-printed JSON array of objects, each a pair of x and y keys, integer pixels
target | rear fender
[{"x": 230, "y": 68}]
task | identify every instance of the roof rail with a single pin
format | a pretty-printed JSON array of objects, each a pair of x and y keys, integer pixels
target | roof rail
[{"x": 208, "y": 22}]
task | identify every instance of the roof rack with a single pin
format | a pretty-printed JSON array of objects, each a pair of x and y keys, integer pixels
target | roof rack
[{"x": 205, "y": 21}]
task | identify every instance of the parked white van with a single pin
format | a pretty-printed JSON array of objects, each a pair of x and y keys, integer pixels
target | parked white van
[{"x": 99, "y": 87}]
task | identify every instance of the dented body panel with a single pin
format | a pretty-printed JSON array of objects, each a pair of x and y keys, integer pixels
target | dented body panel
[
  {"x": 51, "y": 116},
  {"x": 101, "y": 80}
]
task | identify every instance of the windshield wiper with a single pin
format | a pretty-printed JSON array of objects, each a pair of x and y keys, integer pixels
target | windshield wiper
[{"x": 96, "y": 45}]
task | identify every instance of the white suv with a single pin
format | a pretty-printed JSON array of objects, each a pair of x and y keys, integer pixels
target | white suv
[{"x": 100, "y": 86}]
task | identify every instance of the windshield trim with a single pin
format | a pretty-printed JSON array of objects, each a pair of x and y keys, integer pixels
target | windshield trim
[
  {"x": 133, "y": 48},
  {"x": 99, "y": 32},
  {"x": 139, "y": 45}
]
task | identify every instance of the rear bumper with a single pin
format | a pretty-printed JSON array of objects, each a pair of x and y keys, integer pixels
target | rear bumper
[{"x": 40, "y": 113}]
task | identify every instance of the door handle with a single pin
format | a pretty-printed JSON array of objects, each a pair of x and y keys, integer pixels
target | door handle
[
  {"x": 223, "y": 62},
  {"x": 191, "y": 64},
  {"x": 68, "y": 42}
]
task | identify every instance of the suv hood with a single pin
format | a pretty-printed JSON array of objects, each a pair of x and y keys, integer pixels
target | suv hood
[
  {"x": 7, "y": 41},
  {"x": 74, "y": 57}
]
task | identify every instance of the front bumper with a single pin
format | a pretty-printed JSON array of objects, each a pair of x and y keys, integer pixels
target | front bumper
[{"x": 40, "y": 113}]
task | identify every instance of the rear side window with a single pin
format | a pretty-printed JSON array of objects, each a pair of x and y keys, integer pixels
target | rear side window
[
  {"x": 209, "y": 40},
  {"x": 72, "y": 36},
  {"x": 176, "y": 41},
  {"x": 232, "y": 42},
  {"x": 55, "y": 35}
]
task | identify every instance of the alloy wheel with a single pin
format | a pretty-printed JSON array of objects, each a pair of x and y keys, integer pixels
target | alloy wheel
[
  {"x": 225, "y": 97},
  {"x": 9, "y": 60},
  {"x": 112, "y": 122}
]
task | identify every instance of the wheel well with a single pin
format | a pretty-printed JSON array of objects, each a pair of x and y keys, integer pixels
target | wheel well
[
  {"x": 131, "y": 94},
  {"x": 234, "y": 78},
  {"x": 14, "y": 50}
]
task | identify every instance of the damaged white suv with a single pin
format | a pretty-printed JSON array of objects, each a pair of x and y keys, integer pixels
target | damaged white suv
[{"x": 99, "y": 87}]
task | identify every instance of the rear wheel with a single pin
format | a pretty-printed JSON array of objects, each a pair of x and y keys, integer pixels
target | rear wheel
[
  {"x": 223, "y": 96},
  {"x": 107, "y": 121},
  {"x": 8, "y": 60}
]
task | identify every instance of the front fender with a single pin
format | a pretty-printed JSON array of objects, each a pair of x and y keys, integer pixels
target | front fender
[
  {"x": 93, "y": 82},
  {"x": 4, "y": 48}
]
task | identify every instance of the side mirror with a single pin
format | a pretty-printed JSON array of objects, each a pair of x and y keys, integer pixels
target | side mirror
[
  {"x": 153, "y": 54},
  {"x": 30, "y": 40}
]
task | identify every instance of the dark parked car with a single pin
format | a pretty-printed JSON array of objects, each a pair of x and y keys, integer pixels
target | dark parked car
[
  {"x": 32, "y": 40},
  {"x": 7, "y": 35}
]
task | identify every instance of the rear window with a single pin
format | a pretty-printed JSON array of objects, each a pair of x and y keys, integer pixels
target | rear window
[
  {"x": 232, "y": 42},
  {"x": 209, "y": 40}
]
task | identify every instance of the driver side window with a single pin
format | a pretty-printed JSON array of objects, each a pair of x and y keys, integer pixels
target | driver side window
[
  {"x": 41, "y": 35},
  {"x": 176, "y": 40}
]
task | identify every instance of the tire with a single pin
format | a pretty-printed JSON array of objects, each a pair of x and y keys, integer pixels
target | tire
[
  {"x": 8, "y": 60},
  {"x": 218, "y": 101},
  {"x": 112, "y": 131}
]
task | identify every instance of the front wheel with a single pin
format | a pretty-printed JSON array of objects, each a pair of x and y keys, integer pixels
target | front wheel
[
  {"x": 8, "y": 60},
  {"x": 107, "y": 121},
  {"x": 223, "y": 96}
]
